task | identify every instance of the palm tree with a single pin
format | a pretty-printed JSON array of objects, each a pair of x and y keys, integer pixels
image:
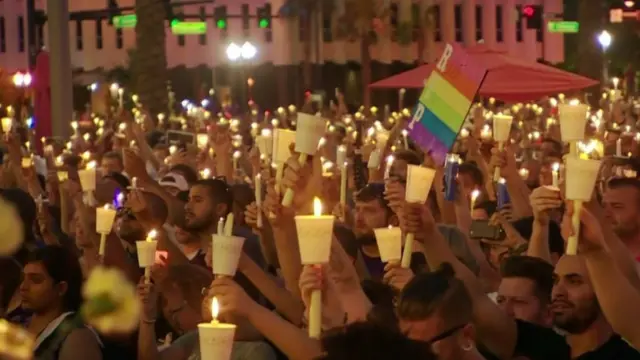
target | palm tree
[
  {"x": 364, "y": 20},
  {"x": 151, "y": 56}
]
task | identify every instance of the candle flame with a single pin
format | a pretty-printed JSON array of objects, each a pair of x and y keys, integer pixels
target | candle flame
[
  {"x": 91, "y": 165},
  {"x": 152, "y": 235},
  {"x": 317, "y": 207},
  {"x": 474, "y": 194},
  {"x": 215, "y": 308},
  {"x": 555, "y": 167},
  {"x": 106, "y": 206}
]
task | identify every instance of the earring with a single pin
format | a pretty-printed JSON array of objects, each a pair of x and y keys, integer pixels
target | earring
[{"x": 469, "y": 347}]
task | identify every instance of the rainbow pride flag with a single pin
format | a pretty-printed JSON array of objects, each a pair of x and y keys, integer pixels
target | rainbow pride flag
[{"x": 445, "y": 101}]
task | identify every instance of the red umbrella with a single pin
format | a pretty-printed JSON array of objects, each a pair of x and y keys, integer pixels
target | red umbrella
[{"x": 508, "y": 79}]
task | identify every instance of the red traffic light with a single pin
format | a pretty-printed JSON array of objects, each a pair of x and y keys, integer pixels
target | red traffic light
[{"x": 529, "y": 11}]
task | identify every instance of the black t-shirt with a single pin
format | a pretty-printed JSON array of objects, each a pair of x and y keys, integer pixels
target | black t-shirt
[{"x": 535, "y": 342}]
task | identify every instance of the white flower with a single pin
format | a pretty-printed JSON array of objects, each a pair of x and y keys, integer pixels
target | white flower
[{"x": 111, "y": 305}]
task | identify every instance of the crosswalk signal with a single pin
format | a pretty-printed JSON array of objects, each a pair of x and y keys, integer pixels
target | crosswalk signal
[
  {"x": 534, "y": 16},
  {"x": 220, "y": 16},
  {"x": 264, "y": 16}
]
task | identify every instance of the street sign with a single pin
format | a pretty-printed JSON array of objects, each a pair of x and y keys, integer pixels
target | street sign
[
  {"x": 188, "y": 27},
  {"x": 563, "y": 26},
  {"x": 124, "y": 21}
]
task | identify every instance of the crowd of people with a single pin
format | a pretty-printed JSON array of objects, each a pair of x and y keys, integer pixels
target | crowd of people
[{"x": 488, "y": 276}]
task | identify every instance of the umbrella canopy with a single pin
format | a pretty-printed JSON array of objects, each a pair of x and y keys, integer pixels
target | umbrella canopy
[{"x": 509, "y": 79}]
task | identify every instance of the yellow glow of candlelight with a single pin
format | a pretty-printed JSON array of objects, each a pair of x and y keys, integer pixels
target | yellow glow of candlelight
[
  {"x": 86, "y": 137},
  {"x": 122, "y": 126},
  {"x": 74, "y": 125},
  {"x": 555, "y": 167},
  {"x": 91, "y": 165},
  {"x": 86, "y": 155},
  {"x": 317, "y": 207},
  {"x": 474, "y": 195},
  {"x": 173, "y": 149},
  {"x": 6, "y": 124},
  {"x": 215, "y": 310},
  {"x": 59, "y": 161},
  {"x": 152, "y": 235}
]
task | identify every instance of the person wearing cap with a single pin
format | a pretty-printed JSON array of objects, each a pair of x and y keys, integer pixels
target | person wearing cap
[{"x": 174, "y": 183}]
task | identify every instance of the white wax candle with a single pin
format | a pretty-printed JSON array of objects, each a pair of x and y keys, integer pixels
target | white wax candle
[
  {"x": 619, "y": 147},
  {"x": 555, "y": 169},
  {"x": 343, "y": 184},
  {"x": 258, "y": 189}
]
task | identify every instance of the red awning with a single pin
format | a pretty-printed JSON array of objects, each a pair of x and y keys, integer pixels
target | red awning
[{"x": 509, "y": 79}]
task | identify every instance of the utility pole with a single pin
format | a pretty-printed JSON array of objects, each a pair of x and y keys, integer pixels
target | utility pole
[{"x": 60, "y": 62}]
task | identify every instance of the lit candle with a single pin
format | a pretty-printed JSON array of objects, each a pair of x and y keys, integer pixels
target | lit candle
[
  {"x": 228, "y": 225},
  {"x": 7, "y": 123},
  {"x": 236, "y": 157},
  {"x": 343, "y": 184},
  {"x": 619, "y": 147},
  {"x": 524, "y": 173},
  {"x": 205, "y": 173},
  {"x": 27, "y": 162},
  {"x": 474, "y": 196},
  {"x": 387, "y": 169},
  {"x": 147, "y": 253},
  {"x": 216, "y": 337},
  {"x": 104, "y": 222},
  {"x": 62, "y": 176},
  {"x": 221, "y": 226},
  {"x": 486, "y": 132},
  {"x": 173, "y": 149},
  {"x": 258, "y": 190},
  {"x": 202, "y": 140},
  {"x": 464, "y": 133},
  {"x": 315, "y": 233},
  {"x": 404, "y": 138},
  {"x": 121, "y": 98},
  {"x": 555, "y": 170},
  {"x": 88, "y": 177}
]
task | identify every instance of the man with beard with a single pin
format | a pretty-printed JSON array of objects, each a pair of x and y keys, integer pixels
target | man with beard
[
  {"x": 372, "y": 212},
  {"x": 209, "y": 201},
  {"x": 574, "y": 308},
  {"x": 129, "y": 229},
  {"x": 622, "y": 207}
]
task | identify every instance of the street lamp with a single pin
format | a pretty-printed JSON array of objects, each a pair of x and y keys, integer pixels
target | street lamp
[
  {"x": 605, "y": 39},
  {"x": 236, "y": 52},
  {"x": 246, "y": 52}
]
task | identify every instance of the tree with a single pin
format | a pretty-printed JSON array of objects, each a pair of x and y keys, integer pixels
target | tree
[
  {"x": 364, "y": 21},
  {"x": 150, "y": 65}
]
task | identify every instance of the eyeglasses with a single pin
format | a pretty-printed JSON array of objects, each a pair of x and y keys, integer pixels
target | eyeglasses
[{"x": 447, "y": 333}]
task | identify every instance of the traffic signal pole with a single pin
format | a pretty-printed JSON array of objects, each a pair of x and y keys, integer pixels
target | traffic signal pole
[{"x": 60, "y": 67}]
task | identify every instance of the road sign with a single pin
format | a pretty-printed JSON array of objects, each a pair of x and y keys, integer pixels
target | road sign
[
  {"x": 564, "y": 26},
  {"x": 125, "y": 21}
]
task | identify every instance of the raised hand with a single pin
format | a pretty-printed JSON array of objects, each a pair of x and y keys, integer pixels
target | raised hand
[
  {"x": 397, "y": 276},
  {"x": 148, "y": 295},
  {"x": 231, "y": 296},
  {"x": 543, "y": 200}
]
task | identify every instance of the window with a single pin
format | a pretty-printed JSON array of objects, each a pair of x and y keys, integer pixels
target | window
[
  {"x": 246, "y": 20},
  {"x": 458, "y": 22},
  {"x": 21, "y": 34},
  {"x": 499, "y": 24},
  {"x": 119, "y": 39},
  {"x": 327, "y": 31},
  {"x": 479, "y": 17},
  {"x": 3, "y": 36},
  {"x": 437, "y": 26},
  {"x": 416, "y": 18},
  {"x": 79, "y": 44},
  {"x": 98, "y": 34},
  {"x": 519, "y": 23},
  {"x": 202, "y": 38}
]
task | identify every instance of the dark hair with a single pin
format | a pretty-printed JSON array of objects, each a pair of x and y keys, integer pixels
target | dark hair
[
  {"x": 489, "y": 206},
  {"x": 157, "y": 207},
  {"x": 472, "y": 170},
  {"x": 363, "y": 340},
  {"x": 120, "y": 179},
  {"x": 114, "y": 155},
  {"x": 187, "y": 172},
  {"x": 371, "y": 192},
  {"x": 620, "y": 182},
  {"x": 61, "y": 265},
  {"x": 532, "y": 268},
  {"x": 219, "y": 191},
  {"x": 411, "y": 157},
  {"x": 438, "y": 292},
  {"x": 11, "y": 271}
]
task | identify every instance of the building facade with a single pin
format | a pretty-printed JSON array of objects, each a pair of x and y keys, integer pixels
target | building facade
[{"x": 95, "y": 44}]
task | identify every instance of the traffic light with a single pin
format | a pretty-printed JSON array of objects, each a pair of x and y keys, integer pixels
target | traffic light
[
  {"x": 534, "y": 16},
  {"x": 264, "y": 16},
  {"x": 220, "y": 16}
]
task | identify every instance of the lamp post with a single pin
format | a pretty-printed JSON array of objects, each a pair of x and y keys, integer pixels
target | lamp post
[
  {"x": 240, "y": 54},
  {"x": 22, "y": 81},
  {"x": 605, "y": 39}
]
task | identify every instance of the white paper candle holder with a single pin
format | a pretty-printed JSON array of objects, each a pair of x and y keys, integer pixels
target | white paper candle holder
[
  {"x": 502, "y": 127},
  {"x": 374, "y": 159},
  {"x": 581, "y": 176},
  {"x": 226, "y": 251},
  {"x": 146, "y": 253},
  {"x": 87, "y": 179},
  {"x": 389, "y": 242},
  {"x": 419, "y": 180},
  {"x": 104, "y": 220},
  {"x": 282, "y": 140},
  {"x": 573, "y": 119},
  {"x": 309, "y": 131},
  {"x": 314, "y": 237},
  {"x": 216, "y": 341},
  {"x": 265, "y": 145}
]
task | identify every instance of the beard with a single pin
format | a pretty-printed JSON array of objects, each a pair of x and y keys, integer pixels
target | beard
[
  {"x": 196, "y": 224},
  {"x": 580, "y": 320},
  {"x": 366, "y": 239}
]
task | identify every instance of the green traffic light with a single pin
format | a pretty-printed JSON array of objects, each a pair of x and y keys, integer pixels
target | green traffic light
[
  {"x": 264, "y": 23},
  {"x": 221, "y": 24}
]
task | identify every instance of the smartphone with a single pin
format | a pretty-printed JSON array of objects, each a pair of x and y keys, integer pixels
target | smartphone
[
  {"x": 482, "y": 229},
  {"x": 161, "y": 257}
]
